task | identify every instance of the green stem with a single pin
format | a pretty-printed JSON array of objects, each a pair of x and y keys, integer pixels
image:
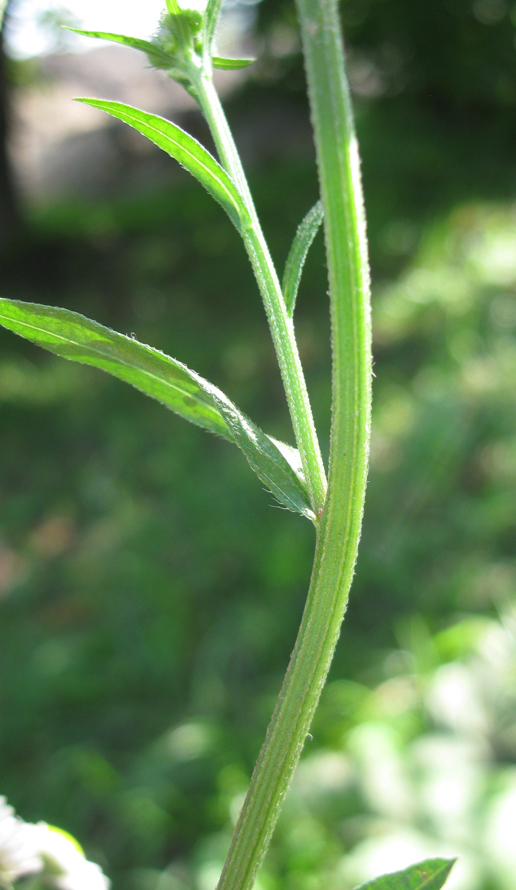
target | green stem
[
  {"x": 282, "y": 328},
  {"x": 339, "y": 531}
]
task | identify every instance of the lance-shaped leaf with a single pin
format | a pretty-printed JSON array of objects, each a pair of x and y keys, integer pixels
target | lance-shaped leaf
[
  {"x": 157, "y": 56},
  {"x": 231, "y": 64},
  {"x": 74, "y": 337},
  {"x": 186, "y": 150},
  {"x": 428, "y": 875},
  {"x": 305, "y": 234}
]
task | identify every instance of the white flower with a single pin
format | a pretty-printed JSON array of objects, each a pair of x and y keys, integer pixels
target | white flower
[
  {"x": 18, "y": 852},
  {"x": 64, "y": 861}
]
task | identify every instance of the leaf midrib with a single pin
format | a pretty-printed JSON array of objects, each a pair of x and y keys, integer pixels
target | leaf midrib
[
  {"x": 176, "y": 142},
  {"x": 128, "y": 364}
]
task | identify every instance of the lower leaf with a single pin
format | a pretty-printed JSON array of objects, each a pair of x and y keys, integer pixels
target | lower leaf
[{"x": 185, "y": 392}]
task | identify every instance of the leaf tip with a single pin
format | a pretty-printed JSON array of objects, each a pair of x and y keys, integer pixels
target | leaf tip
[
  {"x": 95, "y": 103},
  {"x": 431, "y": 874}
]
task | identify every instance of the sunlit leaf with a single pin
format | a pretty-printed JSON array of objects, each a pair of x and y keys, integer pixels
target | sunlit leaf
[
  {"x": 157, "y": 56},
  {"x": 79, "y": 339},
  {"x": 305, "y": 234},
  {"x": 186, "y": 150},
  {"x": 231, "y": 64},
  {"x": 428, "y": 875}
]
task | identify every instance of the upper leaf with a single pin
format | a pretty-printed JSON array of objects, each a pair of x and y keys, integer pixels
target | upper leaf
[
  {"x": 156, "y": 55},
  {"x": 178, "y": 33},
  {"x": 74, "y": 337},
  {"x": 428, "y": 875},
  {"x": 175, "y": 44},
  {"x": 185, "y": 149},
  {"x": 305, "y": 234}
]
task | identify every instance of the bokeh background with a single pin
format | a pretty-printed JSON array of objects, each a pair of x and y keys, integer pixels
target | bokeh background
[{"x": 149, "y": 590}]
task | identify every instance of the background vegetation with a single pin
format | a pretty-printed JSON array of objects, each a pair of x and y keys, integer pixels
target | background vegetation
[{"x": 150, "y": 591}]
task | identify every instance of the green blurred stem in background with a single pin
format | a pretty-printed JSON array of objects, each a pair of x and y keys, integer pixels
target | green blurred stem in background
[{"x": 339, "y": 530}]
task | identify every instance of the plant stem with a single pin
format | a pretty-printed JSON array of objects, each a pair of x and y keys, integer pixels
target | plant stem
[
  {"x": 282, "y": 328},
  {"x": 339, "y": 531}
]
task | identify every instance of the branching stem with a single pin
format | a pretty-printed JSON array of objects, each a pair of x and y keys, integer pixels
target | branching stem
[{"x": 282, "y": 328}]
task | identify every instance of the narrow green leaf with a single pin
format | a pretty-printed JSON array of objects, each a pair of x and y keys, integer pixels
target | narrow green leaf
[
  {"x": 428, "y": 875},
  {"x": 74, "y": 337},
  {"x": 157, "y": 56},
  {"x": 301, "y": 244},
  {"x": 231, "y": 64},
  {"x": 79, "y": 339},
  {"x": 209, "y": 24},
  {"x": 186, "y": 150}
]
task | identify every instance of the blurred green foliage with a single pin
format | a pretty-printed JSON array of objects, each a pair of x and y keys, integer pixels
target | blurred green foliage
[{"x": 150, "y": 591}]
